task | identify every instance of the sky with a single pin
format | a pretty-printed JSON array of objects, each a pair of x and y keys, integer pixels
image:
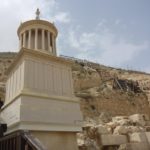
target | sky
[{"x": 110, "y": 32}]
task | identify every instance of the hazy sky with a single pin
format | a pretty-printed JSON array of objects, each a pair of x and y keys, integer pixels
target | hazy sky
[{"x": 111, "y": 32}]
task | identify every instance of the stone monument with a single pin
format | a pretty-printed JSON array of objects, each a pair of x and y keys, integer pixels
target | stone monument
[{"x": 39, "y": 89}]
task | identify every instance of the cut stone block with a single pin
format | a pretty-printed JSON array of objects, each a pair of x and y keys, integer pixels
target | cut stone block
[
  {"x": 113, "y": 139},
  {"x": 134, "y": 146},
  {"x": 138, "y": 137},
  {"x": 148, "y": 136}
]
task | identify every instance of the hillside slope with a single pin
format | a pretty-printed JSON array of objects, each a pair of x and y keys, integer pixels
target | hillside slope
[{"x": 94, "y": 85}]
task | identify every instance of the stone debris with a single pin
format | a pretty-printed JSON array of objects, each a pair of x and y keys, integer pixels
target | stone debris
[
  {"x": 120, "y": 133},
  {"x": 138, "y": 119},
  {"x": 104, "y": 117},
  {"x": 101, "y": 129},
  {"x": 134, "y": 146},
  {"x": 121, "y": 130}
]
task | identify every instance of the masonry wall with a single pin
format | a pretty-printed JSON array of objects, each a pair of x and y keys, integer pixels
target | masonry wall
[{"x": 48, "y": 77}]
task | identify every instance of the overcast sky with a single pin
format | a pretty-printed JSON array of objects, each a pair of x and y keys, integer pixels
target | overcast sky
[{"x": 111, "y": 32}]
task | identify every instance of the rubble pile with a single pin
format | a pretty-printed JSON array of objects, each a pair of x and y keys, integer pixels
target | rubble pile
[{"x": 121, "y": 133}]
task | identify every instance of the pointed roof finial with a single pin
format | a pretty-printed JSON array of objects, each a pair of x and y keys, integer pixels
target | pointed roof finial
[{"x": 37, "y": 14}]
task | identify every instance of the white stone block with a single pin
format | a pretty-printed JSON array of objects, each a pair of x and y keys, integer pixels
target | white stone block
[
  {"x": 138, "y": 119},
  {"x": 121, "y": 130},
  {"x": 134, "y": 146},
  {"x": 148, "y": 136},
  {"x": 138, "y": 137},
  {"x": 109, "y": 139},
  {"x": 42, "y": 114}
]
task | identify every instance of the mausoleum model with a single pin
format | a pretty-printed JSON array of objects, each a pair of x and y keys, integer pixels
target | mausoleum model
[
  {"x": 38, "y": 35},
  {"x": 39, "y": 89}
]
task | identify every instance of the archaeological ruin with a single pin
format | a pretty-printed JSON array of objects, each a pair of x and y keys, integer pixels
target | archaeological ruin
[
  {"x": 51, "y": 102},
  {"x": 39, "y": 91}
]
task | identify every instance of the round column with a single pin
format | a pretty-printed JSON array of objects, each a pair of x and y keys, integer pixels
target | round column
[
  {"x": 43, "y": 39},
  {"x": 48, "y": 38},
  {"x": 36, "y": 39},
  {"x": 29, "y": 39},
  {"x": 53, "y": 44}
]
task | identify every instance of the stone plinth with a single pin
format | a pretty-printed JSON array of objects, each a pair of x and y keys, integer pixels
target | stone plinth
[
  {"x": 110, "y": 140},
  {"x": 39, "y": 96}
]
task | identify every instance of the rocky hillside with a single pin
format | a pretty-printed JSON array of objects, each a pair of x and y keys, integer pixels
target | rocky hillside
[
  {"x": 101, "y": 88},
  {"x": 106, "y": 89},
  {"x": 6, "y": 58}
]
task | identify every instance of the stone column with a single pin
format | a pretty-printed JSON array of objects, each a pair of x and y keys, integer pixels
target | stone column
[
  {"x": 53, "y": 44},
  {"x": 29, "y": 39},
  {"x": 43, "y": 39},
  {"x": 24, "y": 39},
  {"x": 20, "y": 41},
  {"x": 48, "y": 38},
  {"x": 36, "y": 39}
]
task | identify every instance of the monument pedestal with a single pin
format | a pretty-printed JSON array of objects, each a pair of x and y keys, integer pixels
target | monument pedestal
[
  {"x": 39, "y": 98},
  {"x": 28, "y": 112}
]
